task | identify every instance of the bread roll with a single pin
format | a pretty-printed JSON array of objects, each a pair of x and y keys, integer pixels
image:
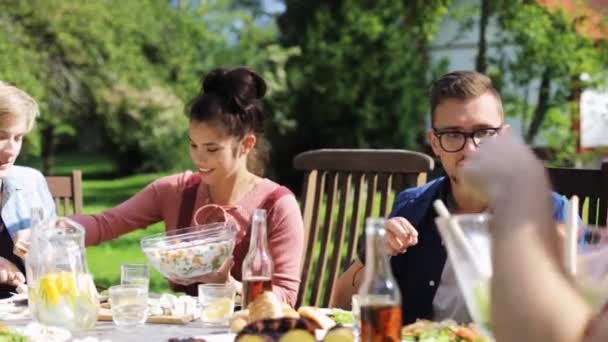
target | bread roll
[
  {"x": 316, "y": 316},
  {"x": 267, "y": 305}
]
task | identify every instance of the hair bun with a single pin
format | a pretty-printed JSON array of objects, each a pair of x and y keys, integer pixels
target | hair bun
[
  {"x": 213, "y": 82},
  {"x": 239, "y": 83}
]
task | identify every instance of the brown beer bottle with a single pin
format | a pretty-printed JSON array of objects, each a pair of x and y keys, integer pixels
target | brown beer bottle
[
  {"x": 257, "y": 265},
  {"x": 379, "y": 295}
]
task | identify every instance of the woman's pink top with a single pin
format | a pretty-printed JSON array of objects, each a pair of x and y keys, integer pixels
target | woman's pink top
[{"x": 160, "y": 201}]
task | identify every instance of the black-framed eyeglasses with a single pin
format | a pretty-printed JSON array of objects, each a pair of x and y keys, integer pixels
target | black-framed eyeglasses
[{"x": 454, "y": 141}]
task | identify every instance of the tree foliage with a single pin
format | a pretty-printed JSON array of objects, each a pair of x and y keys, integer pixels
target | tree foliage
[
  {"x": 362, "y": 76},
  {"x": 124, "y": 68},
  {"x": 542, "y": 51}
]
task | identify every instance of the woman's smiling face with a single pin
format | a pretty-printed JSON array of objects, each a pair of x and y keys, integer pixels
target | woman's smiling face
[{"x": 216, "y": 154}]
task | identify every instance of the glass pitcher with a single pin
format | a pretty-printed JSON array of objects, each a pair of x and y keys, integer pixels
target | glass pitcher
[{"x": 61, "y": 290}]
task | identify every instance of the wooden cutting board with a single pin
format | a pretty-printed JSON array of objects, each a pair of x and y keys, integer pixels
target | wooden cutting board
[{"x": 106, "y": 315}]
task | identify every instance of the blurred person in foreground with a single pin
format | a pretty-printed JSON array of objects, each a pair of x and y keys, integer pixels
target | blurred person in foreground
[
  {"x": 466, "y": 111},
  {"x": 23, "y": 188},
  {"x": 533, "y": 298}
]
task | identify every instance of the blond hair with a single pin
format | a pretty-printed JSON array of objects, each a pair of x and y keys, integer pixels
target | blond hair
[{"x": 17, "y": 104}]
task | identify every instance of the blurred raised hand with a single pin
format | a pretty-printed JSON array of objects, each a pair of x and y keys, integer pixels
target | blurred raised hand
[{"x": 501, "y": 167}]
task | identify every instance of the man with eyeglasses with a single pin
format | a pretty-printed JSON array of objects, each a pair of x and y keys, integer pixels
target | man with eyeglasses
[{"x": 466, "y": 111}]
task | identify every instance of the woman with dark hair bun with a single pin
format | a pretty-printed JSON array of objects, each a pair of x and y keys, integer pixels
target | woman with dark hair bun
[{"x": 227, "y": 147}]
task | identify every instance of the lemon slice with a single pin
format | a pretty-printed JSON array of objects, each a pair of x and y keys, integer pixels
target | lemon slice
[
  {"x": 48, "y": 289},
  {"x": 218, "y": 310}
]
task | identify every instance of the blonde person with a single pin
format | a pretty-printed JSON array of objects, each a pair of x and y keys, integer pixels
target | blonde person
[
  {"x": 226, "y": 131},
  {"x": 22, "y": 187},
  {"x": 533, "y": 299}
]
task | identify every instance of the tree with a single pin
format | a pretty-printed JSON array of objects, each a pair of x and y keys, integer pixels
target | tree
[
  {"x": 550, "y": 52},
  {"x": 362, "y": 76},
  {"x": 127, "y": 67}
]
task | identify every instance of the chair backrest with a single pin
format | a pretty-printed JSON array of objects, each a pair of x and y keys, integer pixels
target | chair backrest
[
  {"x": 590, "y": 185},
  {"x": 342, "y": 187},
  {"x": 67, "y": 193}
]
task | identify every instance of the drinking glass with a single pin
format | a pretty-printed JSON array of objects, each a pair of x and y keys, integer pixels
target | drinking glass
[
  {"x": 129, "y": 304},
  {"x": 356, "y": 316},
  {"x": 469, "y": 251},
  {"x": 217, "y": 303},
  {"x": 135, "y": 274},
  {"x": 592, "y": 266}
]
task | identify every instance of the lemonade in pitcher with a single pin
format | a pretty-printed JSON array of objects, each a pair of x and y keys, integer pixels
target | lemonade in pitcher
[{"x": 61, "y": 291}]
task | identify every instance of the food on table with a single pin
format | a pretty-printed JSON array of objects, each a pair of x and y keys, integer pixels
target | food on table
[
  {"x": 8, "y": 335},
  {"x": 274, "y": 329},
  {"x": 267, "y": 305},
  {"x": 342, "y": 316},
  {"x": 298, "y": 335},
  {"x": 446, "y": 331},
  {"x": 239, "y": 320},
  {"x": 317, "y": 316},
  {"x": 170, "y": 305},
  {"x": 252, "y": 338},
  {"x": 191, "y": 252},
  {"x": 339, "y": 334}
]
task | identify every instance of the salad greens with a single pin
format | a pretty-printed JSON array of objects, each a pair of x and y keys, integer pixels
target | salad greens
[
  {"x": 447, "y": 331},
  {"x": 7, "y": 335},
  {"x": 342, "y": 316}
]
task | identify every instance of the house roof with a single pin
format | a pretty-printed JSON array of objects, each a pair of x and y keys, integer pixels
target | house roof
[{"x": 596, "y": 12}]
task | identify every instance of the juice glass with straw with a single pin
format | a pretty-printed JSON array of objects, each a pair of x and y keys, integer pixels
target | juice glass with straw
[
  {"x": 467, "y": 240},
  {"x": 586, "y": 257}
]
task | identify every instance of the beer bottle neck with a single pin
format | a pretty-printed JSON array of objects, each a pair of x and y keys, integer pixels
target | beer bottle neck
[
  {"x": 259, "y": 238},
  {"x": 376, "y": 257},
  {"x": 378, "y": 285},
  {"x": 258, "y": 261}
]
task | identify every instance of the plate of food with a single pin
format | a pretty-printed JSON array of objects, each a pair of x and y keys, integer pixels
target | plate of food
[
  {"x": 445, "y": 331},
  {"x": 267, "y": 319}
]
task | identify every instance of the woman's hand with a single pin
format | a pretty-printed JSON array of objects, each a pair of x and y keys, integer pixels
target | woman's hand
[
  {"x": 10, "y": 274},
  {"x": 220, "y": 276}
]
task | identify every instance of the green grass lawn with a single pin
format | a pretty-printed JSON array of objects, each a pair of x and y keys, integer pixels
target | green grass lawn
[
  {"x": 105, "y": 259},
  {"x": 102, "y": 191}
]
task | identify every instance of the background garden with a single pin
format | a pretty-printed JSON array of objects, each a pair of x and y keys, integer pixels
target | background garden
[{"x": 113, "y": 78}]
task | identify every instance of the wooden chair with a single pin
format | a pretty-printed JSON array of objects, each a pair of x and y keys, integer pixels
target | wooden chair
[
  {"x": 342, "y": 187},
  {"x": 589, "y": 185},
  {"x": 67, "y": 193}
]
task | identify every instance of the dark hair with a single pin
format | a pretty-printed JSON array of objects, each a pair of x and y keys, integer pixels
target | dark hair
[
  {"x": 233, "y": 97},
  {"x": 460, "y": 85}
]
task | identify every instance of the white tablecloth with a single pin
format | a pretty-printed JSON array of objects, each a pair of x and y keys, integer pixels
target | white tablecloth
[{"x": 107, "y": 331}]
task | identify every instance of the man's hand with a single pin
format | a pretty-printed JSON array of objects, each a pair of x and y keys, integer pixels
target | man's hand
[
  {"x": 10, "y": 274},
  {"x": 401, "y": 235},
  {"x": 220, "y": 276},
  {"x": 22, "y": 243}
]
